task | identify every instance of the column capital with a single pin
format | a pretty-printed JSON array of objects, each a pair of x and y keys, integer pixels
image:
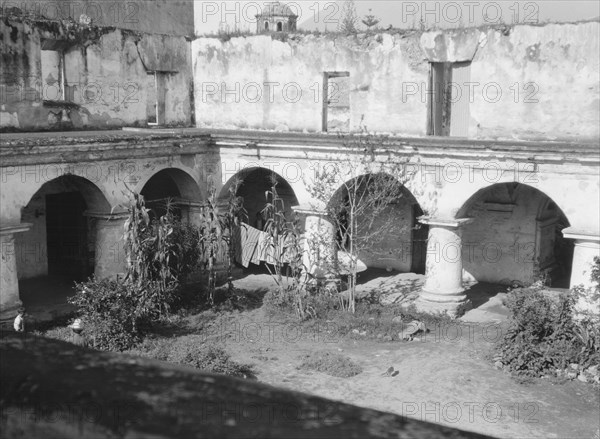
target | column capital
[
  {"x": 113, "y": 215},
  {"x": 450, "y": 223},
  {"x": 581, "y": 235},
  {"x": 14, "y": 228}
]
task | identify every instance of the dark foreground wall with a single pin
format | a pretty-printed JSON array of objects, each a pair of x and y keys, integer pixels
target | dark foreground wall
[{"x": 52, "y": 389}]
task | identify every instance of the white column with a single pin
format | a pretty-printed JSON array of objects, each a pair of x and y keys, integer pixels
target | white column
[
  {"x": 320, "y": 249},
  {"x": 193, "y": 213},
  {"x": 443, "y": 290},
  {"x": 110, "y": 258},
  {"x": 10, "y": 300},
  {"x": 587, "y": 248}
]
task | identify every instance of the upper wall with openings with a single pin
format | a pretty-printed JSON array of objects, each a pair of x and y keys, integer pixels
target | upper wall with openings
[
  {"x": 60, "y": 75},
  {"x": 169, "y": 17},
  {"x": 519, "y": 82}
]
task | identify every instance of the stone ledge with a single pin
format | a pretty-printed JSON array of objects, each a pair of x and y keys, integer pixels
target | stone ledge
[{"x": 50, "y": 388}]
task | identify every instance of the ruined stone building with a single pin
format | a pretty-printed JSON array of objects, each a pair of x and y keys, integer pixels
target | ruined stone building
[{"x": 497, "y": 128}]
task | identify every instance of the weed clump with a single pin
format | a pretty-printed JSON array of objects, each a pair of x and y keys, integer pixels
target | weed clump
[
  {"x": 193, "y": 351},
  {"x": 333, "y": 364}
]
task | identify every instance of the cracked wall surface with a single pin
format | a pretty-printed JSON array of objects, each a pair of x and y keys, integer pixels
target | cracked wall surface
[
  {"x": 105, "y": 71},
  {"x": 524, "y": 82}
]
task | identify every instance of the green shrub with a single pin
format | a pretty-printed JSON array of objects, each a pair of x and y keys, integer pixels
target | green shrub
[
  {"x": 111, "y": 314},
  {"x": 542, "y": 335},
  {"x": 331, "y": 363}
]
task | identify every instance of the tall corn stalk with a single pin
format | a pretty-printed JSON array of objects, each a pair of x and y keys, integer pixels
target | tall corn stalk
[
  {"x": 231, "y": 221},
  {"x": 286, "y": 249},
  {"x": 211, "y": 240},
  {"x": 148, "y": 253}
]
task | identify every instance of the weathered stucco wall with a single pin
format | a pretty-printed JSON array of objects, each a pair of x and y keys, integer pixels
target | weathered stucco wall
[
  {"x": 260, "y": 83},
  {"x": 172, "y": 17},
  {"x": 106, "y": 77},
  {"x": 524, "y": 82},
  {"x": 548, "y": 76}
]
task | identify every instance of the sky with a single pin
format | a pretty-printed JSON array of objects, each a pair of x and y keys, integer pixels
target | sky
[{"x": 212, "y": 16}]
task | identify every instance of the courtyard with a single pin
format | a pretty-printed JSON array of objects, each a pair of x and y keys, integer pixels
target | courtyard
[
  {"x": 445, "y": 375},
  {"x": 370, "y": 217}
]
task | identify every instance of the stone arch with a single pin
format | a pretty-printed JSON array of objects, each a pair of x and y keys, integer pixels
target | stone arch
[
  {"x": 279, "y": 26},
  {"x": 60, "y": 245},
  {"x": 515, "y": 236},
  {"x": 254, "y": 183},
  {"x": 403, "y": 244},
  {"x": 174, "y": 186}
]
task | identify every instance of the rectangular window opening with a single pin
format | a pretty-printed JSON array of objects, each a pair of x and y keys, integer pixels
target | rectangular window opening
[
  {"x": 336, "y": 101},
  {"x": 155, "y": 98},
  {"x": 151, "y": 99},
  {"x": 54, "y": 79},
  {"x": 448, "y": 99}
]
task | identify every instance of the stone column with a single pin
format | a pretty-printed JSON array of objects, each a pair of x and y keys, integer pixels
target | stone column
[
  {"x": 587, "y": 247},
  {"x": 443, "y": 290},
  {"x": 110, "y": 259},
  {"x": 194, "y": 211},
  {"x": 10, "y": 300},
  {"x": 320, "y": 249}
]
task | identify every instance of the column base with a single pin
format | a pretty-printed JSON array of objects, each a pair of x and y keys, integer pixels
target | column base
[{"x": 453, "y": 308}]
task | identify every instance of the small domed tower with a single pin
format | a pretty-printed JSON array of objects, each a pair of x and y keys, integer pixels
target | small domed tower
[{"x": 276, "y": 17}]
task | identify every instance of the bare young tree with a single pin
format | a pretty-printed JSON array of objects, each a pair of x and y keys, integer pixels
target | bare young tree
[{"x": 359, "y": 190}]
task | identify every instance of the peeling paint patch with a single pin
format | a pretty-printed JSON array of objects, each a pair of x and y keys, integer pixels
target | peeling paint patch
[{"x": 532, "y": 53}]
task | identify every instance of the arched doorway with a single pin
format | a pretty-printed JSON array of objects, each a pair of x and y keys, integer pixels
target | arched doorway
[
  {"x": 254, "y": 187},
  {"x": 172, "y": 189},
  {"x": 60, "y": 246},
  {"x": 388, "y": 230},
  {"x": 515, "y": 237}
]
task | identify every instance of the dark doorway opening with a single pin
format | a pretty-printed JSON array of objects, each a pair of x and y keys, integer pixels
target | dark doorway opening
[
  {"x": 160, "y": 193},
  {"x": 419, "y": 242},
  {"x": 67, "y": 236}
]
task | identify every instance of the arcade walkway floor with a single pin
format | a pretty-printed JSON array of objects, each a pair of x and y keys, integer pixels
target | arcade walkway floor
[{"x": 45, "y": 298}]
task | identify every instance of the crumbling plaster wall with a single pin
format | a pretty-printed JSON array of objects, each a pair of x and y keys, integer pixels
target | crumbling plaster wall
[
  {"x": 173, "y": 17},
  {"x": 107, "y": 79},
  {"x": 260, "y": 83},
  {"x": 547, "y": 76}
]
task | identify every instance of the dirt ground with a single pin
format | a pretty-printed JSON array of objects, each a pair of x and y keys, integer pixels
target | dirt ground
[{"x": 444, "y": 376}]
